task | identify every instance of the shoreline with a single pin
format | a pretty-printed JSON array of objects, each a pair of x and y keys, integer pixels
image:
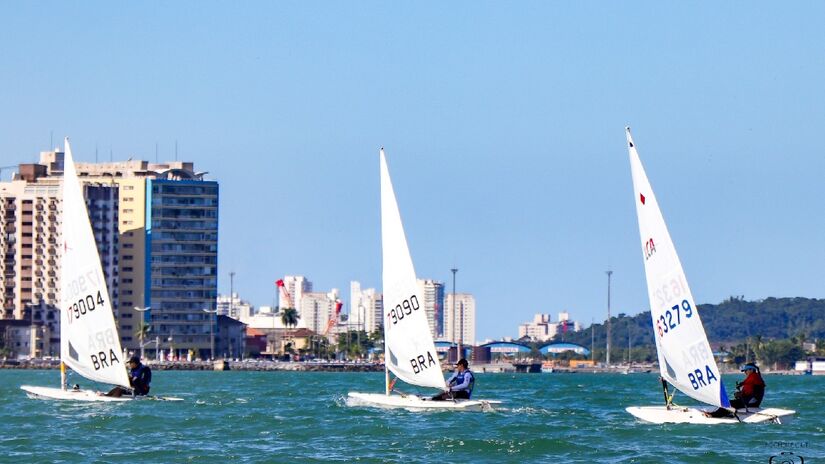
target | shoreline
[{"x": 350, "y": 366}]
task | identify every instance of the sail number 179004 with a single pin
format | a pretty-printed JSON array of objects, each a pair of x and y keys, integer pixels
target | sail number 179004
[{"x": 85, "y": 305}]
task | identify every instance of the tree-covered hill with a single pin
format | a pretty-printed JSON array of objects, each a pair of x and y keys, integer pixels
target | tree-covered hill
[{"x": 733, "y": 321}]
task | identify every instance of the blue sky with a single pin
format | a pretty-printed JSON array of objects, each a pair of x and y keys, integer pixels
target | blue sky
[{"x": 503, "y": 126}]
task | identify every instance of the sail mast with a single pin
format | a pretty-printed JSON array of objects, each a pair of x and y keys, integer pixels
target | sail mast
[
  {"x": 89, "y": 339},
  {"x": 685, "y": 357},
  {"x": 409, "y": 350}
]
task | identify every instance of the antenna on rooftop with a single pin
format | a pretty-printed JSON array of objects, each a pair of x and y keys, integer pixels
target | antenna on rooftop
[
  {"x": 95, "y": 152},
  {"x": 176, "y": 149},
  {"x": 156, "y": 153}
]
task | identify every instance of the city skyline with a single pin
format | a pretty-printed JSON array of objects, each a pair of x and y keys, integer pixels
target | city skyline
[{"x": 503, "y": 128}]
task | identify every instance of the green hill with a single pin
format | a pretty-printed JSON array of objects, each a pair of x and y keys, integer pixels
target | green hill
[{"x": 733, "y": 322}]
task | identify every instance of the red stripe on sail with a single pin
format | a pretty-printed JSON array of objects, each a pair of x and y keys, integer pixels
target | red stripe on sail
[{"x": 642, "y": 197}]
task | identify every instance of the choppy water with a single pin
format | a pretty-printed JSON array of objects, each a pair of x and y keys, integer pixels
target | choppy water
[{"x": 302, "y": 417}]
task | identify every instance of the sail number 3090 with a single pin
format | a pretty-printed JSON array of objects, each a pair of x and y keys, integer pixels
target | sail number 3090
[
  {"x": 405, "y": 308},
  {"x": 85, "y": 305},
  {"x": 666, "y": 322}
]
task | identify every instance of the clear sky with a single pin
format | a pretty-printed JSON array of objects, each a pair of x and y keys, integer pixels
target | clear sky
[{"x": 503, "y": 125}]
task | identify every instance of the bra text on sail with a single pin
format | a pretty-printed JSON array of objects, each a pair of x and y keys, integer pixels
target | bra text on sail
[
  {"x": 100, "y": 360},
  {"x": 420, "y": 363}
]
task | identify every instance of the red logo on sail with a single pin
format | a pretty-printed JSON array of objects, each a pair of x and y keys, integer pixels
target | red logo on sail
[{"x": 642, "y": 198}]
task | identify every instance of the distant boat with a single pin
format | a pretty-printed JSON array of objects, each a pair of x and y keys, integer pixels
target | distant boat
[
  {"x": 89, "y": 340},
  {"x": 410, "y": 352},
  {"x": 685, "y": 357}
]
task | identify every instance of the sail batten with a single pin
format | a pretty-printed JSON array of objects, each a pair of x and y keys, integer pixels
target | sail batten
[
  {"x": 89, "y": 339},
  {"x": 410, "y": 353},
  {"x": 685, "y": 357}
]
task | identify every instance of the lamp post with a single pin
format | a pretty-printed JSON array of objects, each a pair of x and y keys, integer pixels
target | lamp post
[
  {"x": 231, "y": 294},
  {"x": 607, "y": 359},
  {"x": 32, "y": 331},
  {"x": 211, "y": 330},
  {"x": 361, "y": 326},
  {"x": 455, "y": 322},
  {"x": 142, "y": 324}
]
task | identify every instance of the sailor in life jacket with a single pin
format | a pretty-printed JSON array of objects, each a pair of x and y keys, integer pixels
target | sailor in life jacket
[
  {"x": 749, "y": 392},
  {"x": 460, "y": 384}
]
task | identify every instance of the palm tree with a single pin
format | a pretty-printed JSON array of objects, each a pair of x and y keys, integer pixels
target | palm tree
[
  {"x": 142, "y": 332},
  {"x": 289, "y": 317}
]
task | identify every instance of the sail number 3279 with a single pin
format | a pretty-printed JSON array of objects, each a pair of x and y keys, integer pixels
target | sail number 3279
[
  {"x": 405, "y": 308},
  {"x": 672, "y": 317}
]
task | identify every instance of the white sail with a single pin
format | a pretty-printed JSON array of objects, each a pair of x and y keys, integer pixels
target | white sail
[
  {"x": 685, "y": 357},
  {"x": 89, "y": 340},
  {"x": 410, "y": 351}
]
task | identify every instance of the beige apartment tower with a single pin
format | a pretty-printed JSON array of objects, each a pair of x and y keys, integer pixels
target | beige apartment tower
[{"x": 156, "y": 231}]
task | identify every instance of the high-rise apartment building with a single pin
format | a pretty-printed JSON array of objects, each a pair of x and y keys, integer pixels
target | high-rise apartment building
[
  {"x": 297, "y": 287},
  {"x": 156, "y": 230},
  {"x": 366, "y": 308},
  {"x": 432, "y": 294},
  {"x": 317, "y": 309},
  {"x": 460, "y": 321},
  {"x": 30, "y": 217}
]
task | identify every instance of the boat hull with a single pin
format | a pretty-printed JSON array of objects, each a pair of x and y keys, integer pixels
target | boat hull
[
  {"x": 417, "y": 403},
  {"x": 48, "y": 393},
  {"x": 682, "y": 415}
]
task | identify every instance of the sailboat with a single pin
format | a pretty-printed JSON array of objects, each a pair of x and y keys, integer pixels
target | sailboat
[
  {"x": 685, "y": 359},
  {"x": 89, "y": 340},
  {"x": 409, "y": 350}
]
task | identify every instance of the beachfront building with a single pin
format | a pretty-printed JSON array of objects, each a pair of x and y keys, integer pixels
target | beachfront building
[
  {"x": 366, "y": 308},
  {"x": 233, "y": 306},
  {"x": 460, "y": 319},
  {"x": 156, "y": 230},
  {"x": 542, "y": 328},
  {"x": 230, "y": 338},
  {"x": 432, "y": 295}
]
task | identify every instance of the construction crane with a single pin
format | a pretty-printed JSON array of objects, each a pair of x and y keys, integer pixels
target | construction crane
[
  {"x": 284, "y": 293},
  {"x": 334, "y": 319}
]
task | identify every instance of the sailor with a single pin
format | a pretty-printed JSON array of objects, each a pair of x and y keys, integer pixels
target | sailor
[
  {"x": 460, "y": 384},
  {"x": 749, "y": 392},
  {"x": 140, "y": 376}
]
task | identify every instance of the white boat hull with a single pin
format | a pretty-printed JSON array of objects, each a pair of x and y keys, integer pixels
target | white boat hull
[
  {"x": 683, "y": 415},
  {"x": 47, "y": 393},
  {"x": 417, "y": 403}
]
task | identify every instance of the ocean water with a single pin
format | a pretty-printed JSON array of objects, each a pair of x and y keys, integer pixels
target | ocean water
[{"x": 302, "y": 417}]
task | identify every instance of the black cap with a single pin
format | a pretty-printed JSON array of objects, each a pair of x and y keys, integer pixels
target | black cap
[
  {"x": 135, "y": 359},
  {"x": 462, "y": 362}
]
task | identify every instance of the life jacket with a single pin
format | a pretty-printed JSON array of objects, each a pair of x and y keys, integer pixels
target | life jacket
[
  {"x": 753, "y": 390},
  {"x": 460, "y": 378},
  {"x": 141, "y": 377}
]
